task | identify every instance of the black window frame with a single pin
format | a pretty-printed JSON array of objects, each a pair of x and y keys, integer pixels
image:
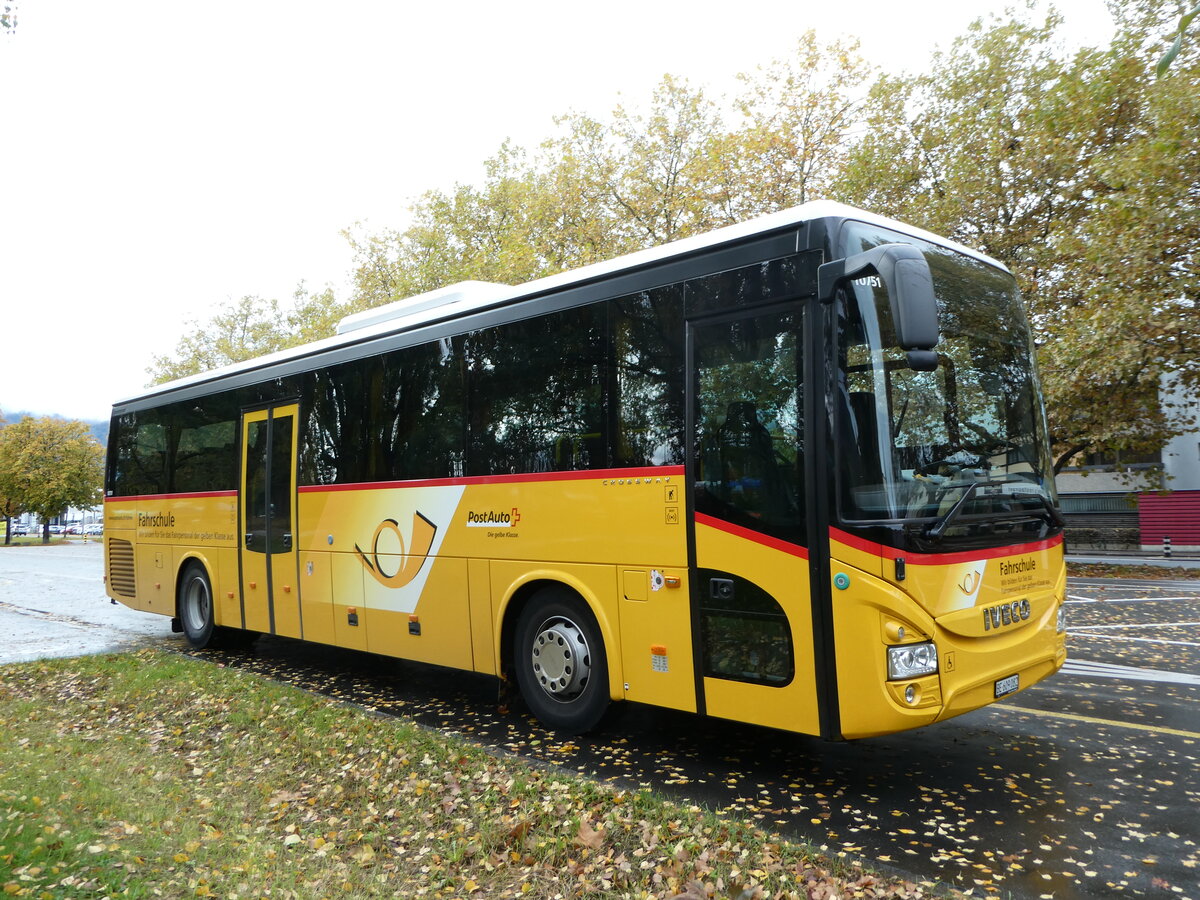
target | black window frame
[{"x": 743, "y": 272}]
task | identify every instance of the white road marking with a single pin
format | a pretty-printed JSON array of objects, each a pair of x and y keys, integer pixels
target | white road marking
[
  {"x": 1073, "y": 599},
  {"x": 1085, "y": 628},
  {"x": 47, "y": 616},
  {"x": 1087, "y": 668},
  {"x": 1118, "y": 637}
]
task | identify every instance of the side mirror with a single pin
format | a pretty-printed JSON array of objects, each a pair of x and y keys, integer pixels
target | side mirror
[{"x": 909, "y": 283}]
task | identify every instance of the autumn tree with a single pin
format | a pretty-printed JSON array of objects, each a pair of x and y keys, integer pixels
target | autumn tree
[
  {"x": 680, "y": 165},
  {"x": 1079, "y": 172},
  {"x": 48, "y": 465},
  {"x": 9, "y": 508},
  {"x": 1185, "y": 21},
  {"x": 499, "y": 230},
  {"x": 683, "y": 164},
  {"x": 652, "y": 171},
  {"x": 248, "y": 328},
  {"x": 798, "y": 119},
  {"x": 593, "y": 191}
]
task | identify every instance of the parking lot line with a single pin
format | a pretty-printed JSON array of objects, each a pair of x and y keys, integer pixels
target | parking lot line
[
  {"x": 1091, "y": 720},
  {"x": 1086, "y": 668},
  {"x": 1127, "y": 625},
  {"x": 1075, "y": 599},
  {"x": 1119, "y": 637}
]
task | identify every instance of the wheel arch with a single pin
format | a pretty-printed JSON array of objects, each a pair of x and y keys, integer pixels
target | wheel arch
[
  {"x": 518, "y": 596},
  {"x": 181, "y": 565}
]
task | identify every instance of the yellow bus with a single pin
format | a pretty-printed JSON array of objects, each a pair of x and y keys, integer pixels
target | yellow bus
[{"x": 793, "y": 472}]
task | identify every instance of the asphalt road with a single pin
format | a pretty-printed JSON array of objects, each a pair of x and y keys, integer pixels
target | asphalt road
[
  {"x": 1087, "y": 786},
  {"x": 52, "y": 603}
]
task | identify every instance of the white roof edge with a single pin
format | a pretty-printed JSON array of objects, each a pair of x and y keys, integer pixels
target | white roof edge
[
  {"x": 471, "y": 296},
  {"x": 859, "y": 215},
  {"x": 463, "y": 291}
]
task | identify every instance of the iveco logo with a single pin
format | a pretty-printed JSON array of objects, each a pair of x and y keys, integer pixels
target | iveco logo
[{"x": 1005, "y": 614}]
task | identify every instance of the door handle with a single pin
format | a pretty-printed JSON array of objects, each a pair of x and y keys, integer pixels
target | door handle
[{"x": 287, "y": 541}]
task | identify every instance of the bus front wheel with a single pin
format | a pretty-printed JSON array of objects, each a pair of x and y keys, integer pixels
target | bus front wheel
[{"x": 561, "y": 666}]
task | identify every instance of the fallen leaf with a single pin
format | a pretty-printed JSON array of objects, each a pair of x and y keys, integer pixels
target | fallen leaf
[{"x": 588, "y": 836}]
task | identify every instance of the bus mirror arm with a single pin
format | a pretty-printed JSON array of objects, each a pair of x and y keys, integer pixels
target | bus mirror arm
[{"x": 909, "y": 284}]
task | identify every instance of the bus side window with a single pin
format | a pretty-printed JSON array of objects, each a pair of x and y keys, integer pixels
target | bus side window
[
  {"x": 646, "y": 393},
  {"x": 536, "y": 394},
  {"x": 748, "y": 474},
  {"x": 748, "y": 439},
  {"x": 745, "y": 632}
]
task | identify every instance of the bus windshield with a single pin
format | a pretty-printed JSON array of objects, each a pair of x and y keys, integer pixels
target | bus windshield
[{"x": 958, "y": 455}]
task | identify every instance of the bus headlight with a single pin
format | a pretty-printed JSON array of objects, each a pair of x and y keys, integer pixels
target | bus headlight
[
  {"x": 911, "y": 661},
  {"x": 1061, "y": 624}
]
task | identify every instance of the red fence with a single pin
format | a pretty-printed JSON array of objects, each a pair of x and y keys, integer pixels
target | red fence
[{"x": 1175, "y": 515}]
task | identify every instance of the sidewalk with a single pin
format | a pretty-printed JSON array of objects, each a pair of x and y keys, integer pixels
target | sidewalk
[{"x": 1134, "y": 558}]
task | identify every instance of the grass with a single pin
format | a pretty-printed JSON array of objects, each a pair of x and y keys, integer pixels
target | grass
[
  {"x": 151, "y": 774},
  {"x": 30, "y": 540}
]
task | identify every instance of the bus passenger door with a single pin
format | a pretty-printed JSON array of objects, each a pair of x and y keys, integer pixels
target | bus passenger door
[
  {"x": 751, "y": 599},
  {"x": 270, "y": 593}
]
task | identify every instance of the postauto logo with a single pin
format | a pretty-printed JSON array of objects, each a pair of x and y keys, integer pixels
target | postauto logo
[{"x": 492, "y": 518}]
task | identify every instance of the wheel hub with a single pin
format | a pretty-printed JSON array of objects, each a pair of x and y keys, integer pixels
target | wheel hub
[
  {"x": 561, "y": 659},
  {"x": 196, "y": 603}
]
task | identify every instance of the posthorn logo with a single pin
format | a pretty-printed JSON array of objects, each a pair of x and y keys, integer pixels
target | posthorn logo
[
  {"x": 412, "y": 554},
  {"x": 970, "y": 581}
]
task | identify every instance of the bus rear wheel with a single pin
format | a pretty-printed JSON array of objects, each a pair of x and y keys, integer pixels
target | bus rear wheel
[
  {"x": 560, "y": 663},
  {"x": 198, "y": 617},
  {"x": 196, "y": 606}
]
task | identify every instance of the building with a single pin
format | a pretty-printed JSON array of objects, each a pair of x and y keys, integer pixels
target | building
[
  {"x": 1151, "y": 503},
  {"x": 1171, "y": 517}
]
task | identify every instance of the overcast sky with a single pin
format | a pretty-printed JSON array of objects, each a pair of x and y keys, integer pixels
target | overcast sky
[{"x": 158, "y": 159}]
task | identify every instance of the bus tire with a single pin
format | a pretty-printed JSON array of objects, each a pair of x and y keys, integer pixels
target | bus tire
[
  {"x": 560, "y": 662},
  {"x": 197, "y": 614}
]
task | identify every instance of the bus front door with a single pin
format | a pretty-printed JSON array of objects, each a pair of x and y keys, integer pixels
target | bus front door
[
  {"x": 270, "y": 593},
  {"x": 753, "y": 620}
]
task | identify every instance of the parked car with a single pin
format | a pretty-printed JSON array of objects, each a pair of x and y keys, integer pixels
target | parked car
[{"x": 94, "y": 528}]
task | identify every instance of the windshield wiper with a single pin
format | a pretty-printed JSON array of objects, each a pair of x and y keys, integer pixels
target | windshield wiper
[
  {"x": 1055, "y": 516},
  {"x": 938, "y": 528}
]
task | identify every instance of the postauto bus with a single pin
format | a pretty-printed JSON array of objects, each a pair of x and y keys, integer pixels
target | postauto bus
[{"x": 793, "y": 472}]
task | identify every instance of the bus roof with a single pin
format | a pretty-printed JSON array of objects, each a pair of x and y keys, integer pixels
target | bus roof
[{"x": 472, "y": 296}]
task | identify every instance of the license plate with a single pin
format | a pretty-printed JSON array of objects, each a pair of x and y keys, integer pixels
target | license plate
[{"x": 1007, "y": 685}]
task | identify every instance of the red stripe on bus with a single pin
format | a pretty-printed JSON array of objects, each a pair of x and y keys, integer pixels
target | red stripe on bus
[
  {"x": 750, "y": 535},
  {"x": 529, "y": 478},
  {"x": 940, "y": 559},
  {"x": 184, "y": 496}
]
